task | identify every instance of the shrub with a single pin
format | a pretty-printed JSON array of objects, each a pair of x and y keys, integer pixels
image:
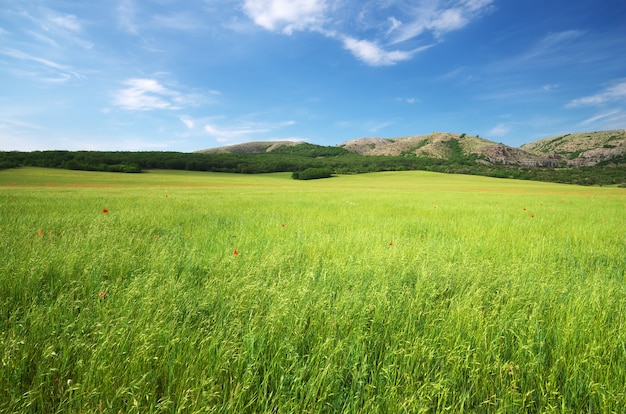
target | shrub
[{"x": 312, "y": 174}]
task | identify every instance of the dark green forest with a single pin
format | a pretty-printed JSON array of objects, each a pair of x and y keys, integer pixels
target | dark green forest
[{"x": 298, "y": 159}]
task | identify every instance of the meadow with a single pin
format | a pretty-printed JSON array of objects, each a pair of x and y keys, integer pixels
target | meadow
[{"x": 412, "y": 292}]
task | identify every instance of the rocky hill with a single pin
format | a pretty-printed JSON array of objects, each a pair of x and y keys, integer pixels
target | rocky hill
[
  {"x": 583, "y": 149},
  {"x": 444, "y": 145},
  {"x": 580, "y": 149}
]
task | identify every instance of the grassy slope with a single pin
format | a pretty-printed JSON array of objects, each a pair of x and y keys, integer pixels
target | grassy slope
[{"x": 493, "y": 294}]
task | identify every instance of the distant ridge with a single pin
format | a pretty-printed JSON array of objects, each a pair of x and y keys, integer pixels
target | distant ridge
[
  {"x": 446, "y": 145},
  {"x": 578, "y": 149},
  {"x": 250, "y": 147}
]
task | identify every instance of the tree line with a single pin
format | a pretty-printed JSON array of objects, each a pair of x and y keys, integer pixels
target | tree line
[{"x": 297, "y": 159}]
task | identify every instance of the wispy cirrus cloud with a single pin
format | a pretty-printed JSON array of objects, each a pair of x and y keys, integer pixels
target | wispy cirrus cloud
[
  {"x": 439, "y": 17},
  {"x": 611, "y": 115},
  {"x": 42, "y": 67},
  {"x": 65, "y": 21},
  {"x": 125, "y": 14},
  {"x": 383, "y": 29},
  {"x": 59, "y": 28},
  {"x": 184, "y": 22},
  {"x": 553, "y": 49},
  {"x": 145, "y": 94},
  {"x": 613, "y": 93},
  {"x": 247, "y": 131}
]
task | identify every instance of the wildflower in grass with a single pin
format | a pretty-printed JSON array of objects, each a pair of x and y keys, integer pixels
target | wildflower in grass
[
  {"x": 235, "y": 252},
  {"x": 282, "y": 225},
  {"x": 391, "y": 243},
  {"x": 104, "y": 210},
  {"x": 102, "y": 295},
  {"x": 40, "y": 232},
  {"x": 155, "y": 236}
]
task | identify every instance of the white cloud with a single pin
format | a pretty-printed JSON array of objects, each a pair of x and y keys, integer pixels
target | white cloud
[
  {"x": 285, "y": 15},
  {"x": 381, "y": 24},
  {"x": 143, "y": 94},
  {"x": 440, "y": 17},
  {"x": 65, "y": 26},
  {"x": 500, "y": 130},
  {"x": 448, "y": 20},
  {"x": 613, "y": 93},
  {"x": 372, "y": 54},
  {"x": 394, "y": 24},
  {"x": 189, "y": 123},
  {"x": 68, "y": 22},
  {"x": 549, "y": 87}
]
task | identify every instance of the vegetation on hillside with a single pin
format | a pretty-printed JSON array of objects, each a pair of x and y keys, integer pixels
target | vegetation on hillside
[
  {"x": 584, "y": 149},
  {"x": 303, "y": 156}
]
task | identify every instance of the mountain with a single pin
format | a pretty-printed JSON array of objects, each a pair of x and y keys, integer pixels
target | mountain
[
  {"x": 583, "y": 149},
  {"x": 580, "y": 149},
  {"x": 444, "y": 145}
]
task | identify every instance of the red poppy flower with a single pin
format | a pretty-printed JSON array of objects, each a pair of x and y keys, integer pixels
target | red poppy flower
[
  {"x": 104, "y": 210},
  {"x": 235, "y": 252},
  {"x": 102, "y": 295},
  {"x": 283, "y": 225},
  {"x": 40, "y": 232}
]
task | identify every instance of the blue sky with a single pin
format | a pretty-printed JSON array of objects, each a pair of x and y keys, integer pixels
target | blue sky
[{"x": 194, "y": 74}]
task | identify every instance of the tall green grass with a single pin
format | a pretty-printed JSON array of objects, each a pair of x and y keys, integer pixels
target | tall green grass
[{"x": 388, "y": 292}]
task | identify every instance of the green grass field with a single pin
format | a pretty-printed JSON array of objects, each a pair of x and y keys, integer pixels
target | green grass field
[{"x": 388, "y": 292}]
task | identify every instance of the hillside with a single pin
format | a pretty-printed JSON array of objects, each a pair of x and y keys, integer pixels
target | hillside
[
  {"x": 249, "y": 147},
  {"x": 583, "y": 149},
  {"x": 577, "y": 150},
  {"x": 443, "y": 145}
]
